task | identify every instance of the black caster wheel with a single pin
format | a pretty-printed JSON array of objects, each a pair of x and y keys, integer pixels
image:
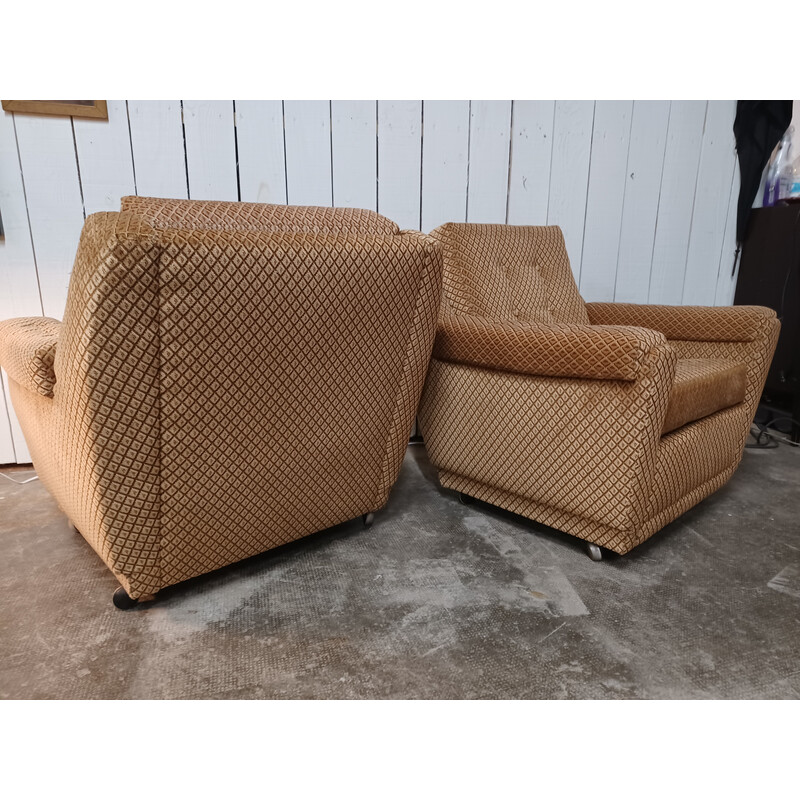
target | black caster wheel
[
  {"x": 465, "y": 499},
  {"x": 595, "y": 553},
  {"x": 123, "y": 600},
  {"x": 368, "y": 519}
]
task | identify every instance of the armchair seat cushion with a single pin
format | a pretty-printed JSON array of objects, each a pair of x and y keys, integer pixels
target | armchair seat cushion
[{"x": 703, "y": 386}]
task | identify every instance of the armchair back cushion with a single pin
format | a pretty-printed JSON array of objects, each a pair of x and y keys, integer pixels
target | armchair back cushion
[
  {"x": 225, "y": 216},
  {"x": 509, "y": 272},
  {"x": 223, "y": 392}
]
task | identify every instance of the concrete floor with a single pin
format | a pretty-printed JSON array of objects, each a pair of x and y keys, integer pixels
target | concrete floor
[{"x": 437, "y": 600}]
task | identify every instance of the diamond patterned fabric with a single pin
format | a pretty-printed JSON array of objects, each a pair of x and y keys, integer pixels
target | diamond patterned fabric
[
  {"x": 687, "y": 323},
  {"x": 95, "y": 444},
  {"x": 509, "y": 272},
  {"x": 28, "y": 351},
  {"x": 228, "y": 216},
  {"x": 554, "y": 349},
  {"x": 513, "y": 415},
  {"x": 222, "y": 392},
  {"x": 303, "y": 400}
]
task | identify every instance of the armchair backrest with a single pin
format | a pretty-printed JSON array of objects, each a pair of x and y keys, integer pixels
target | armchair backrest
[
  {"x": 509, "y": 272},
  {"x": 235, "y": 390},
  {"x": 226, "y": 216}
]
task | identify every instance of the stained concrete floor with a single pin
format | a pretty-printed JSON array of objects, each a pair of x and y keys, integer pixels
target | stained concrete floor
[{"x": 437, "y": 600}]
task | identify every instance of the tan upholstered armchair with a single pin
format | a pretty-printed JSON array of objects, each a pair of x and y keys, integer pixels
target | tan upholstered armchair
[
  {"x": 228, "y": 377},
  {"x": 604, "y": 420}
]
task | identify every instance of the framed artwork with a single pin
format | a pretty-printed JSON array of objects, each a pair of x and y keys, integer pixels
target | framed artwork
[{"x": 73, "y": 108}]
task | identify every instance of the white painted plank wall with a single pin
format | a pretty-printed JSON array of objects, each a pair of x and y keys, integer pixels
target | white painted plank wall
[
  {"x": 210, "y": 149},
  {"x": 309, "y": 180},
  {"x": 531, "y": 158},
  {"x": 490, "y": 134},
  {"x": 54, "y": 201},
  {"x": 726, "y": 280},
  {"x": 103, "y": 150},
  {"x": 21, "y": 453},
  {"x": 645, "y": 192},
  {"x": 676, "y": 203},
  {"x": 642, "y": 194},
  {"x": 19, "y": 284},
  {"x": 601, "y": 228},
  {"x": 569, "y": 174},
  {"x": 400, "y": 161},
  {"x": 159, "y": 155},
  {"x": 714, "y": 183},
  {"x": 8, "y": 454},
  {"x": 262, "y": 159},
  {"x": 354, "y": 149},
  {"x": 445, "y": 162}
]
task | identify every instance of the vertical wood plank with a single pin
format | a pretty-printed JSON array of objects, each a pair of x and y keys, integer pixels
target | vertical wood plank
[
  {"x": 210, "y": 149},
  {"x": 159, "y": 159},
  {"x": 399, "y": 157},
  {"x": 309, "y": 180},
  {"x": 714, "y": 180},
  {"x": 609, "y": 157},
  {"x": 569, "y": 173},
  {"x": 531, "y": 154},
  {"x": 640, "y": 207},
  {"x": 490, "y": 132},
  {"x": 21, "y": 453},
  {"x": 445, "y": 150},
  {"x": 262, "y": 168},
  {"x": 354, "y": 143},
  {"x": 726, "y": 281},
  {"x": 55, "y": 206},
  {"x": 7, "y": 453},
  {"x": 104, "y": 158},
  {"x": 681, "y": 158},
  {"x": 19, "y": 286}
]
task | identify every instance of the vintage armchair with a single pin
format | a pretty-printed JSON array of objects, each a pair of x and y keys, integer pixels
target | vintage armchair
[
  {"x": 228, "y": 377},
  {"x": 604, "y": 420}
]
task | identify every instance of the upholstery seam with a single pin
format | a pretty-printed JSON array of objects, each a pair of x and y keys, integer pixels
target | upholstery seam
[
  {"x": 159, "y": 320},
  {"x": 426, "y": 263}
]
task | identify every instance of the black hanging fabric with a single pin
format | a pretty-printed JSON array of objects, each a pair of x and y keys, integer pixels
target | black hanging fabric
[{"x": 758, "y": 127}]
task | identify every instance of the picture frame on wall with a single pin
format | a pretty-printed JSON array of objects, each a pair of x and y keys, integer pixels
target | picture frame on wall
[{"x": 94, "y": 109}]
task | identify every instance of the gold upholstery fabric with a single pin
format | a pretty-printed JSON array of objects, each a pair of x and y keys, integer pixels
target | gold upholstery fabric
[
  {"x": 687, "y": 323},
  {"x": 28, "y": 351},
  {"x": 701, "y": 387},
  {"x": 221, "y": 392},
  {"x": 607, "y": 427},
  {"x": 228, "y": 216},
  {"x": 508, "y": 272},
  {"x": 555, "y": 349}
]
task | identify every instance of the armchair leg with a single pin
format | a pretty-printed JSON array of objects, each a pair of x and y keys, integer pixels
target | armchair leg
[
  {"x": 595, "y": 553},
  {"x": 124, "y": 601},
  {"x": 465, "y": 499},
  {"x": 368, "y": 519}
]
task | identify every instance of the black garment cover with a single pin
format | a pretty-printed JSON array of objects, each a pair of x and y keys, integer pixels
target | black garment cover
[{"x": 758, "y": 127}]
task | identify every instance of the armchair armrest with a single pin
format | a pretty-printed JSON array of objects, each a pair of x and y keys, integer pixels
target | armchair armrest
[
  {"x": 28, "y": 352},
  {"x": 687, "y": 323},
  {"x": 553, "y": 350}
]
